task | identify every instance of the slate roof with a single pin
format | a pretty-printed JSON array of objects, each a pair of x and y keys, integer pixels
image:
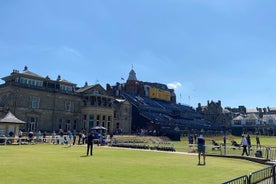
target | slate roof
[
  {"x": 29, "y": 73},
  {"x": 81, "y": 90}
]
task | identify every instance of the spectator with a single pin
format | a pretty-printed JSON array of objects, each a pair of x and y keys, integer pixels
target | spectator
[
  {"x": 111, "y": 138},
  {"x": 244, "y": 144},
  {"x": 74, "y": 137},
  {"x": 258, "y": 143},
  {"x": 54, "y": 137},
  {"x": 38, "y": 134},
  {"x": 20, "y": 133},
  {"x": 201, "y": 149},
  {"x": 80, "y": 136},
  {"x": 70, "y": 136},
  {"x": 11, "y": 133},
  {"x": 83, "y": 137},
  {"x": 31, "y": 136},
  {"x": 44, "y": 136},
  {"x": 191, "y": 141},
  {"x": 249, "y": 143}
]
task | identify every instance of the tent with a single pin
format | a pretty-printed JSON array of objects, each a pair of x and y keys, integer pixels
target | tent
[{"x": 9, "y": 124}]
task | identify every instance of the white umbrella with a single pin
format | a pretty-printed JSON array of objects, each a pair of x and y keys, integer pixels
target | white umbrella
[{"x": 98, "y": 128}]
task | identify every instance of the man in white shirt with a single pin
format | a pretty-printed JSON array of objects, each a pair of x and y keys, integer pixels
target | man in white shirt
[{"x": 244, "y": 144}]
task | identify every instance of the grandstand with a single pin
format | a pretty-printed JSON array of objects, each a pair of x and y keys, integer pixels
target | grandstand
[
  {"x": 166, "y": 118},
  {"x": 154, "y": 109}
]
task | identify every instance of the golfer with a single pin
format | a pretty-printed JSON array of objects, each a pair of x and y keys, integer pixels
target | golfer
[
  {"x": 90, "y": 139},
  {"x": 201, "y": 149}
]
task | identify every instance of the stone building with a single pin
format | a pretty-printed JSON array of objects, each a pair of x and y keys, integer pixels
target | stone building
[
  {"x": 100, "y": 109},
  {"x": 122, "y": 116},
  {"x": 49, "y": 105},
  {"x": 140, "y": 88},
  {"x": 215, "y": 114},
  {"x": 43, "y": 103}
]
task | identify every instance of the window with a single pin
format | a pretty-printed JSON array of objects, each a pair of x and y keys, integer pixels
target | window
[
  {"x": 95, "y": 91},
  {"x": 108, "y": 122},
  {"x": 84, "y": 121},
  {"x": 68, "y": 125},
  {"x": 66, "y": 88},
  {"x": 91, "y": 120},
  {"x": 98, "y": 120},
  {"x": 68, "y": 106},
  {"x": 30, "y": 81},
  {"x": 75, "y": 124},
  {"x": 237, "y": 122},
  {"x": 109, "y": 103},
  {"x": 60, "y": 123},
  {"x": 35, "y": 102},
  {"x": 32, "y": 124}
]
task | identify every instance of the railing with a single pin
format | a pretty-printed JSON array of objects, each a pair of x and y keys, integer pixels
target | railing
[
  {"x": 266, "y": 174},
  {"x": 26, "y": 140},
  {"x": 239, "y": 180},
  {"x": 262, "y": 176}
]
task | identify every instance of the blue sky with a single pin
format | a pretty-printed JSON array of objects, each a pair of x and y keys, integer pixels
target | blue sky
[{"x": 206, "y": 50}]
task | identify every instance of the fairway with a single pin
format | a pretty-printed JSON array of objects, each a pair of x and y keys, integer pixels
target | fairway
[{"x": 61, "y": 164}]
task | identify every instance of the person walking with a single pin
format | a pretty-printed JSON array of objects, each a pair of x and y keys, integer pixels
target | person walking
[
  {"x": 244, "y": 144},
  {"x": 201, "y": 149},
  {"x": 249, "y": 143},
  {"x": 258, "y": 142},
  {"x": 90, "y": 138}
]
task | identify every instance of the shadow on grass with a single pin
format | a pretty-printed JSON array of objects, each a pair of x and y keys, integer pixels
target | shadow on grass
[{"x": 86, "y": 156}]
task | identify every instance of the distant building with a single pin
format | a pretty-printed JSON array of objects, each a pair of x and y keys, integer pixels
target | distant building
[
  {"x": 215, "y": 114},
  {"x": 140, "y": 88},
  {"x": 259, "y": 120}
]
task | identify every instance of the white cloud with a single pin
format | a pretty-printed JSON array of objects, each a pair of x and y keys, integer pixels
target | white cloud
[
  {"x": 174, "y": 85},
  {"x": 66, "y": 49}
]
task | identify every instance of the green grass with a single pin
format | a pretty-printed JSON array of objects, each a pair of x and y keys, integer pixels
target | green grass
[
  {"x": 60, "y": 164},
  {"x": 265, "y": 141}
]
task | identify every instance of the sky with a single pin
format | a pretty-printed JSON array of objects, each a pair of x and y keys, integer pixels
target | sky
[{"x": 205, "y": 50}]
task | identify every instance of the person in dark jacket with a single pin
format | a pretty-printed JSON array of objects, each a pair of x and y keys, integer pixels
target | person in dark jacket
[
  {"x": 201, "y": 149},
  {"x": 90, "y": 139}
]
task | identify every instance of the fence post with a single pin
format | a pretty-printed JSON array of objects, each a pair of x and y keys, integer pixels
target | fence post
[
  {"x": 273, "y": 174},
  {"x": 267, "y": 152}
]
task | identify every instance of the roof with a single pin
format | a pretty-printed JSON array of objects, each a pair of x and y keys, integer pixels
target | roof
[
  {"x": 240, "y": 117},
  {"x": 225, "y": 111},
  {"x": 252, "y": 117},
  {"x": 66, "y": 82},
  {"x": 248, "y": 111},
  {"x": 132, "y": 75},
  {"x": 269, "y": 116},
  {"x": 29, "y": 73},
  {"x": 10, "y": 118},
  {"x": 81, "y": 90}
]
